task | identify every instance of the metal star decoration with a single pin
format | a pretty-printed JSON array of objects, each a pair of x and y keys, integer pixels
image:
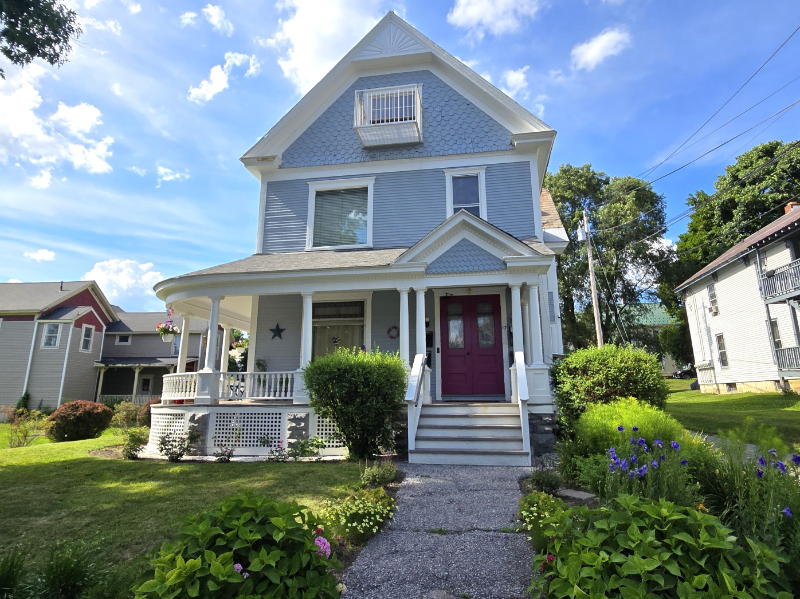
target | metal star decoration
[{"x": 277, "y": 331}]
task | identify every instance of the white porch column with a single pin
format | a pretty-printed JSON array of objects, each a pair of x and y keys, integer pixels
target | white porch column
[
  {"x": 526, "y": 325},
  {"x": 537, "y": 354},
  {"x": 421, "y": 321},
  {"x": 136, "y": 370},
  {"x": 226, "y": 349},
  {"x": 183, "y": 348},
  {"x": 404, "y": 330},
  {"x": 213, "y": 325},
  {"x": 100, "y": 383},
  {"x": 516, "y": 318},
  {"x": 308, "y": 304},
  {"x": 251, "y": 335}
]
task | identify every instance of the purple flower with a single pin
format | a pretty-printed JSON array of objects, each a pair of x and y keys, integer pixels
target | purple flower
[
  {"x": 661, "y": 457},
  {"x": 796, "y": 459},
  {"x": 642, "y": 441},
  {"x": 781, "y": 466},
  {"x": 238, "y": 568},
  {"x": 324, "y": 547},
  {"x": 761, "y": 461},
  {"x": 630, "y": 474},
  {"x": 620, "y": 428},
  {"x": 642, "y": 470},
  {"x": 633, "y": 459},
  {"x": 773, "y": 452},
  {"x": 245, "y": 575},
  {"x": 759, "y": 473},
  {"x": 684, "y": 462},
  {"x": 646, "y": 448},
  {"x": 675, "y": 445},
  {"x": 658, "y": 443},
  {"x": 624, "y": 465},
  {"x": 655, "y": 464},
  {"x": 633, "y": 441},
  {"x": 612, "y": 452},
  {"x": 611, "y": 466},
  {"x": 786, "y": 512},
  {"x": 635, "y": 429}
]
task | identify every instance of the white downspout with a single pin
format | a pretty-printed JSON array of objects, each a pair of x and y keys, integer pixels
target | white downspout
[{"x": 66, "y": 358}]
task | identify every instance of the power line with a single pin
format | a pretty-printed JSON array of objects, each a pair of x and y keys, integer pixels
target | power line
[
  {"x": 748, "y": 142},
  {"x": 610, "y": 292},
  {"x": 724, "y": 105}
]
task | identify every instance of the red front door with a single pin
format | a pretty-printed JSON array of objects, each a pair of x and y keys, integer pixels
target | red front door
[{"x": 472, "y": 346}]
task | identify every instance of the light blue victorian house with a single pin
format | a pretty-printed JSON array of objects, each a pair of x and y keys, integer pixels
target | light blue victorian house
[{"x": 401, "y": 208}]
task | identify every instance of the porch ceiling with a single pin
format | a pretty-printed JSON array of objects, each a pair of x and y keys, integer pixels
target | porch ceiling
[{"x": 234, "y": 310}]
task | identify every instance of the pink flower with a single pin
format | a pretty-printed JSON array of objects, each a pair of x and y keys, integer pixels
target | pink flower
[
  {"x": 238, "y": 568},
  {"x": 324, "y": 547},
  {"x": 319, "y": 531},
  {"x": 550, "y": 558},
  {"x": 245, "y": 575}
]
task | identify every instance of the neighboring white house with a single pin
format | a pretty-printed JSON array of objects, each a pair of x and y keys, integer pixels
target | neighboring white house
[
  {"x": 742, "y": 311},
  {"x": 401, "y": 209}
]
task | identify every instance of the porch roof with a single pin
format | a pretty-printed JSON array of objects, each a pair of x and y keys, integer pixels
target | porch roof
[{"x": 165, "y": 362}]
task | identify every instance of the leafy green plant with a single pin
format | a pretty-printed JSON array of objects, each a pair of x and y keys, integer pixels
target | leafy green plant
[
  {"x": 143, "y": 416},
  {"x": 602, "y": 375},
  {"x": 590, "y": 473},
  {"x": 78, "y": 420},
  {"x": 379, "y": 474},
  {"x": 68, "y": 572},
  {"x": 12, "y": 572},
  {"x": 174, "y": 447},
  {"x": 135, "y": 440},
  {"x": 359, "y": 515},
  {"x": 26, "y": 426},
  {"x": 533, "y": 510},
  {"x": 762, "y": 436},
  {"x": 362, "y": 393},
  {"x": 24, "y": 401},
  {"x": 277, "y": 452},
  {"x": 647, "y": 548},
  {"x": 248, "y": 547},
  {"x": 223, "y": 454},
  {"x": 307, "y": 448},
  {"x": 546, "y": 480},
  {"x": 126, "y": 415}
]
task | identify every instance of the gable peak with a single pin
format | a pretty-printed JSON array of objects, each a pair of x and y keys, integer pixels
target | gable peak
[{"x": 391, "y": 41}]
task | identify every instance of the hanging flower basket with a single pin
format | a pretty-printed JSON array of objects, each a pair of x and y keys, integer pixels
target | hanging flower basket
[{"x": 167, "y": 330}]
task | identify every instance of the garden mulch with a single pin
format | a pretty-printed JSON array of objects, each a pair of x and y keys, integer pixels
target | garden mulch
[{"x": 452, "y": 537}]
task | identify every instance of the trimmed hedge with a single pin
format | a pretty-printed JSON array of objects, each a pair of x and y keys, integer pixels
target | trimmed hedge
[
  {"x": 78, "y": 420},
  {"x": 362, "y": 393},
  {"x": 602, "y": 375}
]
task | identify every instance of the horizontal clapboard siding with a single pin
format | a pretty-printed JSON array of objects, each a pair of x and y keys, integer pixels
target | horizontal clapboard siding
[
  {"x": 15, "y": 345},
  {"x": 509, "y": 198},
  {"x": 281, "y": 354},
  {"x": 80, "y": 381}
]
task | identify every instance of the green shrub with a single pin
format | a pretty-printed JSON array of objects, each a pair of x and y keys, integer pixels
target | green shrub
[
  {"x": 248, "y": 547},
  {"x": 762, "y": 436},
  {"x": 143, "y": 417},
  {"x": 646, "y": 548},
  {"x": 358, "y": 516},
  {"x": 25, "y": 427},
  {"x": 68, "y": 572},
  {"x": 601, "y": 375},
  {"x": 24, "y": 402},
  {"x": 546, "y": 480},
  {"x": 307, "y": 448},
  {"x": 533, "y": 510},
  {"x": 136, "y": 439},
  {"x": 126, "y": 414},
  {"x": 590, "y": 473},
  {"x": 362, "y": 393},
  {"x": 378, "y": 475},
  {"x": 174, "y": 447},
  {"x": 78, "y": 420},
  {"x": 12, "y": 572}
]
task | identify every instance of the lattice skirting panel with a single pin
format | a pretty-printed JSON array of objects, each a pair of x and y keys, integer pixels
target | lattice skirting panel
[{"x": 163, "y": 423}]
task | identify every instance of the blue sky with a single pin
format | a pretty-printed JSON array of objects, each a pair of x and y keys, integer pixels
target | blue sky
[{"x": 123, "y": 166}]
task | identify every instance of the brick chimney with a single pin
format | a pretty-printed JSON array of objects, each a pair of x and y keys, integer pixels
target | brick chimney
[{"x": 791, "y": 206}]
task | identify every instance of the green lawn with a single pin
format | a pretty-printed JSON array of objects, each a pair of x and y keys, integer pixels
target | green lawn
[
  {"x": 4, "y": 430},
  {"x": 715, "y": 414},
  {"x": 124, "y": 509}
]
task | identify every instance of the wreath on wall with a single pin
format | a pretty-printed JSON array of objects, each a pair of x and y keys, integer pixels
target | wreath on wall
[{"x": 393, "y": 332}]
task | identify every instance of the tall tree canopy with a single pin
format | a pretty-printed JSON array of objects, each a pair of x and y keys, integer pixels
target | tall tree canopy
[
  {"x": 627, "y": 218},
  {"x": 36, "y": 29}
]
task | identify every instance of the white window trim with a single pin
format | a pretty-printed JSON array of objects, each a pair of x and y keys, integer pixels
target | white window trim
[
  {"x": 118, "y": 342},
  {"x": 91, "y": 339},
  {"x": 315, "y": 186},
  {"x": 44, "y": 336},
  {"x": 457, "y": 172},
  {"x": 174, "y": 353}
]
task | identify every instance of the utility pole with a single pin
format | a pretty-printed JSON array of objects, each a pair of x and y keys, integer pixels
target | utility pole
[{"x": 595, "y": 305}]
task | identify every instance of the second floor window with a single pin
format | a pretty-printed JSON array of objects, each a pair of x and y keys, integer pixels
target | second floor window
[
  {"x": 712, "y": 299},
  {"x": 176, "y": 345},
  {"x": 340, "y": 213},
  {"x": 776, "y": 333},
  {"x": 466, "y": 190},
  {"x": 723, "y": 353},
  {"x": 51, "y": 334},
  {"x": 87, "y": 336}
]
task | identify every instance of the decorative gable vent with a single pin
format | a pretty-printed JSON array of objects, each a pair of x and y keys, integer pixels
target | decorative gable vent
[{"x": 389, "y": 116}]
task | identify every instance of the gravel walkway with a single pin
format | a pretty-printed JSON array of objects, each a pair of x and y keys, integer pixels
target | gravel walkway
[{"x": 446, "y": 540}]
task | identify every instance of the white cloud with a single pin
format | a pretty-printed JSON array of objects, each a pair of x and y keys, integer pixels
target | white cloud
[
  {"x": 166, "y": 174},
  {"x": 41, "y": 255},
  {"x": 134, "y": 8},
  {"x": 318, "y": 34},
  {"x": 121, "y": 278},
  {"x": 117, "y": 89},
  {"x": 139, "y": 171},
  {"x": 78, "y": 119},
  {"x": 42, "y": 180},
  {"x": 218, "y": 77},
  {"x": 515, "y": 83},
  {"x": 216, "y": 16},
  {"x": 188, "y": 18},
  {"x": 25, "y": 136},
  {"x": 495, "y": 16},
  {"x": 589, "y": 54},
  {"x": 14, "y": 281},
  {"x": 110, "y": 25}
]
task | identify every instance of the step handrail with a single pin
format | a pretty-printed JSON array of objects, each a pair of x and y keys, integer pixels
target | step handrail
[
  {"x": 522, "y": 398},
  {"x": 416, "y": 380}
]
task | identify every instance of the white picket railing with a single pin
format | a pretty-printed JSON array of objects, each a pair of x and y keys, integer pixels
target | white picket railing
[
  {"x": 109, "y": 399},
  {"x": 233, "y": 386},
  {"x": 519, "y": 391},
  {"x": 180, "y": 386},
  {"x": 414, "y": 395}
]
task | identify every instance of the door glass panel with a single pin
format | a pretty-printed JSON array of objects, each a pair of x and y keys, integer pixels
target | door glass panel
[
  {"x": 455, "y": 326},
  {"x": 485, "y": 324}
]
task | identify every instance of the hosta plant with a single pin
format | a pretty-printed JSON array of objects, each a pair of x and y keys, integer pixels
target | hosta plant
[
  {"x": 249, "y": 547},
  {"x": 360, "y": 515},
  {"x": 648, "y": 548}
]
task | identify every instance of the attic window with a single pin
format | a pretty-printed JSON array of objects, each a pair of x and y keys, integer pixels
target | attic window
[{"x": 388, "y": 115}]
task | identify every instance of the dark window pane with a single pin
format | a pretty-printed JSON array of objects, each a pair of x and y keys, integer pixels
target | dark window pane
[
  {"x": 465, "y": 191},
  {"x": 455, "y": 326},
  {"x": 338, "y": 310},
  {"x": 340, "y": 217},
  {"x": 485, "y": 324}
]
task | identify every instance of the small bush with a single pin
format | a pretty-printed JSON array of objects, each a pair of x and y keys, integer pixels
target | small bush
[
  {"x": 12, "y": 572},
  {"x": 24, "y": 402},
  {"x": 360, "y": 515},
  {"x": 249, "y": 546},
  {"x": 362, "y": 393},
  {"x": 25, "y": 427},
  {"x": 533, "y": 510},
  {"x": 78, "y": 420},
  {"x": 174, "y": 447},
  {"x": 136, "y": 439},
  {"x": 590, "y": 473},
  {"x": 600, "y": 376},
  {"x": 546, "y": 480},
  {"x": 126, "y": 415},
  {"x": 143, "y": 417},
  {"x": 762, "y": 436},
  {"x": 647, "y": 548},
  {"x": 307, "y": 448},
  {"x": 378, "y": 475},
  {"x": 70, "y": 571}
]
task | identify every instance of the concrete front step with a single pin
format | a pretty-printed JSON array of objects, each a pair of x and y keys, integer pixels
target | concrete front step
[
  {"x": 471, "y": 408},
  {"x": 428, "y": 418},
  {"x": 470, "y": 442},
  {"x": 467, "y": 430},
  {"x": 475, "y": 457}
]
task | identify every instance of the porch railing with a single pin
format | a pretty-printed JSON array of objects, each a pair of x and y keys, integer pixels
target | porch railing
[
  {"x": 112, "y": 400},
  {"x": 414, "y": 395},
  {"x": 519, "y": 392},
  {"x": 232, "y": 386},
  {"x": 179, "y": 387},
  {"x": 781, "y": 281},
  {"x": 788, "y": 358}
]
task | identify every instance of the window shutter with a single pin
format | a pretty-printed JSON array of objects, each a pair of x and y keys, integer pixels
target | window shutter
[{"x": 551, "y": 306}]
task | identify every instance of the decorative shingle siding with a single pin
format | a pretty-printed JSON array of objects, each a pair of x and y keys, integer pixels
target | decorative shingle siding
[
  {"x": 451, "y": 124},
  {"x": 407, "y": 205},
  {"x": 15, "y": 345},
  {"x": 509, "y": 198},
  {"x": 465, "y": 256}
]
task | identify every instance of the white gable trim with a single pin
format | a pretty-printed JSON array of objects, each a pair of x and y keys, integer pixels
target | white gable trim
[{"x": 391, "y": 41}]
